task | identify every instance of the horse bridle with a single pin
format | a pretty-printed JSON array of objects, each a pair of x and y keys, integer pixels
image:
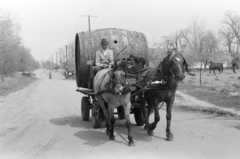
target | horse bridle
[
  {"x": 118, "y": 79},
  {"x": 171, "y": 69}
]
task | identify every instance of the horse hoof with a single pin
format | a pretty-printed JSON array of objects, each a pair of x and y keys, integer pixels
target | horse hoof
[
  {"x": 150, "y": 132},
  {"x": 169, "y": 137},
  {"x": 130, "y": 143},
  {"x": 145, "y": 127},
  {"x": 111, "y": 137}
]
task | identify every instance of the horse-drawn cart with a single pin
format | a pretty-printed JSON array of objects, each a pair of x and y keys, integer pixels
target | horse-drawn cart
[{"x": 86, "y": 45}]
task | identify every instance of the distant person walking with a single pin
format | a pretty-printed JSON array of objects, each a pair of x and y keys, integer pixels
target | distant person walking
[{"x": 50, "y": 75}]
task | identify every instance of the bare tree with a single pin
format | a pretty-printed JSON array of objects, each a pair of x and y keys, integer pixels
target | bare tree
[
  {"x": 62, "y": 55},
  {"x": 231, "y": 32},
  {"x": 228, "y": 40},
  {"x": 13, "y": 55},
  {"x": 195, "y": 38},
  {"x": 71, "y": 48},
  {"x": 175, "y": 40},
  {"x": 211, "y": 48}
]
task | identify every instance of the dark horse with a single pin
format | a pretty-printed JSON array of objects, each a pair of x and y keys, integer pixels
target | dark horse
[
  {"x": 215, "y": 66},
  {"x": 235, "y": 63},
  {"x": 159, "y": 85}
]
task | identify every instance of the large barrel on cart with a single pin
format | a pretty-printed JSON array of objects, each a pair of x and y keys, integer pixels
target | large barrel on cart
[{"x": 86, "y": 45}]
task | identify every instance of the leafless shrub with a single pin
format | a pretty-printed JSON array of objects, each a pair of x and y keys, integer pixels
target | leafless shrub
[{"x": 236, "y": 85}]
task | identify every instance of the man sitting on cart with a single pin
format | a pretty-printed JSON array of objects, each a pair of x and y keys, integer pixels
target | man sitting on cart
[{"x": 104, "y": 59}]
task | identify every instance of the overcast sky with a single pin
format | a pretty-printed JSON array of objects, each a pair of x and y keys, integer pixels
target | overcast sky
[{"x": 48, "y": 25}]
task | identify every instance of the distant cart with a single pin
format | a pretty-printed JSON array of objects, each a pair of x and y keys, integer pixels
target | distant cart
[
  {"x": 86, "y": 45},
  {"x": 26, "y": 74},
  {"x": 68, "y": 74}
]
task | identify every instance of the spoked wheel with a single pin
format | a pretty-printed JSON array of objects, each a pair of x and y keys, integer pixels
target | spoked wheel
[
  {"x": 138, "y": 115},
  {"x": 96, "y": 116},
  {"x": 85, "y": 104},
  {"x": 121, "y": 112}
]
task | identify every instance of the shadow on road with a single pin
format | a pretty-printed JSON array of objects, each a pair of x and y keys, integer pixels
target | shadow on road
[
  {"x": 72, "y": 121},
  {"x": 97, "y": 137},
  {"x": 92, "y": 137}
]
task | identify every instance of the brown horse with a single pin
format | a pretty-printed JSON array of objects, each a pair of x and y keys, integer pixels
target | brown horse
[
  {"x": 215, "y": 66},
  {"x": 112, "y": 90},
  {"x": 159, "y": 85}
]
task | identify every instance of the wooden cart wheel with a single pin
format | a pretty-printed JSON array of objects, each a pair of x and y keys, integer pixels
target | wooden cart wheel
[
  {"x": 85, "y": 104},
  {"x": 96, "y": 117},
  {"x": 138, "y": 115},
  {"x": 121, "y": 112}
]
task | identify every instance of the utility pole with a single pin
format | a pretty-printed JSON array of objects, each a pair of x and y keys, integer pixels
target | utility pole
[
  {"x": 66, "y": 57},
  {"x": 89, "y": 24},
  {"x": 56, "y": 59},
  {"x": 49, "y": 64},
  {"x": 52, "y": 61}
]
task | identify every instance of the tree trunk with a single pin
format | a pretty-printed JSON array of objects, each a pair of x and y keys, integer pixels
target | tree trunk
[
  {"x": 200, "y": 74},
  {"x": 205, "y": 65},
  {"x": 2, "y": 78}
]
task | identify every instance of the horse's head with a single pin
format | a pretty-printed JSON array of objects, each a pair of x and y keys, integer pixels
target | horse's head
[
  {"x": 119, "y": 77},
  {"x": 175, "y": 65},
  {"x": 137, "y": 63}
]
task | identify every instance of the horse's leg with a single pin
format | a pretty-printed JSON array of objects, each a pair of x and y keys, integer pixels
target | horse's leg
[
  {"x": 234, "y": 69},
  {"x": 112, "y": 121},
  {"x": 152, "y": 126},
  {"x": 149, "y": 111},
  {"x": 105, "y": 112},
  {"x": 169, "y": 117},
  {"x": 144, "y": 111},
  {"x": 128, "y": 123},
  {"x": 214, "y": 71}
]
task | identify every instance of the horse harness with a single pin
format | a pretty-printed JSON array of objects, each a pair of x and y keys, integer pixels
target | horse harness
[
  {"x": 158, "y": 81},
  {"x": 114, "y": 80}
]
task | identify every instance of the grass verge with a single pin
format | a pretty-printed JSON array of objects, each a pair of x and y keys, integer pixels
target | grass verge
[
  {"x": 212, "y": 95},
  {"x": 206, "y": 110},
  {"x": 15, "y": 83}
]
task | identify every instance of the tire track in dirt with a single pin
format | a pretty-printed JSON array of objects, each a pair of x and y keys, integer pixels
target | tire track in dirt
[
  {"x": 7, "y": 130},
  {"x": 18, "y": 136},
  {"x": 41, "y": 148}
]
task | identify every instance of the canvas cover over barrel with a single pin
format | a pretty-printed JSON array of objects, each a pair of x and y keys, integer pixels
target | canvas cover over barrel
[{"x": 88, "y": 43}]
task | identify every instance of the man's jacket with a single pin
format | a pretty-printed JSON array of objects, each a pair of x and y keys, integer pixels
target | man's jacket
[{"x": 104, "y": 59}]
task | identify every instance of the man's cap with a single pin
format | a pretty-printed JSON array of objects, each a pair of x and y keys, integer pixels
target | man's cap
[{"x": 104, "y": 42}]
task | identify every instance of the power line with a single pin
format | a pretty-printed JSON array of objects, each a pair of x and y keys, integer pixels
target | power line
[
  {"x": 82, "y": 20},
  {"x": 89, "y": 16},
  {"x": 98, "y": 5},
  {"x": 105, "y": 11},
  {"x": 110, "y": 8},
  {"x": 93, "y": 22},
  {"x": 81, "y": 26},
  {"x": 99, "y": 10},
  {"x": 95, "y": 7},
  {"x": 96, "y": 11}
]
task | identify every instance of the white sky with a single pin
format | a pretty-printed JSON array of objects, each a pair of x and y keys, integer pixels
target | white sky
[{"x": 48, "y": 25}]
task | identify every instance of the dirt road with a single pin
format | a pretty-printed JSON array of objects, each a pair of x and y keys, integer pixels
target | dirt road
[{"x": 43, "y": 121}]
